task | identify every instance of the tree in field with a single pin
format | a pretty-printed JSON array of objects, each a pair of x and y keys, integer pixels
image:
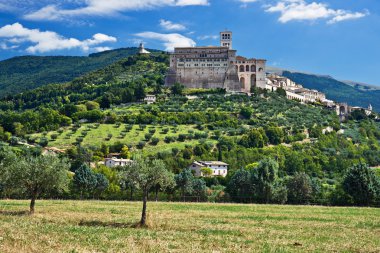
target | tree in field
[
  {"x": 84, "y": 180},
  {"x": 300, "y": 189},
  {"x": 240, "y": 186},
  {"x": 265, "y": 180},
  {"x": 184, "y": 181},
  {"x": 129, "y": 184},
  {"x": 36, "y": 176},
  {"x": 362, "y": 184},
  {"x": 101, "y": 185},
  {"x": 147, "y": 174},
  {"x": 199, "y": 187},
  {"x": 167, "y": 184}
]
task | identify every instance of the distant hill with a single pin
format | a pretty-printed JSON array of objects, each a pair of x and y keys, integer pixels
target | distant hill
[
  {"x": 23, "y": 73},
  {"x": 354, "y": 93}
]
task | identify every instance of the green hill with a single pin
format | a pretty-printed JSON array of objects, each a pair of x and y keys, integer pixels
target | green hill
[{"x": 23, "y": 73}]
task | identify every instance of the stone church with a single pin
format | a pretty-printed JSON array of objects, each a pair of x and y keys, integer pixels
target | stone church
[{"x": 216, "y": 67}]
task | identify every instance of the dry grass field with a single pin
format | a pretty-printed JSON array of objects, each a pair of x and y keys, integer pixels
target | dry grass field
[{"x": 94, "y": 226}]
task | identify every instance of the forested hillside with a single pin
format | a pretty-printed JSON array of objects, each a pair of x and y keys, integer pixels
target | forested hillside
[
  {"x": 278, "y": 150},
  {"x": 337, "y": 90},
  {"x": 28, "y": 72}
]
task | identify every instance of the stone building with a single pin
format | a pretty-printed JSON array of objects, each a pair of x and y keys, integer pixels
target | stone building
[
  {"x": 251, "y": 73},
  {"x": 215, "y": 67}
]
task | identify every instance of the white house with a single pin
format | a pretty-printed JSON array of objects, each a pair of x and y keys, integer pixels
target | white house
[
  {"x": 150, "y": 99},
  {"x": 113, "y": 162},
  {"x": 218, "y": 168}
]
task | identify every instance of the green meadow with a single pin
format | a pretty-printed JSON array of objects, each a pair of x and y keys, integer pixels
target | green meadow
[{"x": 95, "y": 226}]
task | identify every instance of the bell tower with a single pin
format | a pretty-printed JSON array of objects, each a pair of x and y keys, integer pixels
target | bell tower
[{"x": 226, "y": 39}]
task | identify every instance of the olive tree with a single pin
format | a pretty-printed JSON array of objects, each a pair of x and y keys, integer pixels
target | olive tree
[
  {"x": 36, "y": 176},
  {"x": 362, "y": 184},
  {"x": 147, "y": 174},
  {"x": 184, "y": 181},
  {"x": 84, "y": 180}
]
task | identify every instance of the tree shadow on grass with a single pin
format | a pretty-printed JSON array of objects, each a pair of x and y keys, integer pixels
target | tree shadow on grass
[
  {"x": 14, "y": 213},
  {"x": 110, "y": 224}
]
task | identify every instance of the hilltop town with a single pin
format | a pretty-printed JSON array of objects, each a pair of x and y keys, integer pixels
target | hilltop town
[{"x": 221, "y": 67}]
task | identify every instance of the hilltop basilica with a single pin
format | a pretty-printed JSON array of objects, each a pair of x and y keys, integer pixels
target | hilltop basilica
[
  {"x": 216, "y": 67},
  {"x": 219, "y": 67}
]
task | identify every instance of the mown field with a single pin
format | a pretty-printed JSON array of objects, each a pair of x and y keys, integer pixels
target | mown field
[{"x": 93, "y": 226}]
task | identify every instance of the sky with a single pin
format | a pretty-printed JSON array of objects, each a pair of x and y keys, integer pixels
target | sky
[{"x": 340, "y": 38}]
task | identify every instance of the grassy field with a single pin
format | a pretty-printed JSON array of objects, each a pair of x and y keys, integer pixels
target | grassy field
[
  {"x": 92, "y": 226},
  {"x": 97, "y": 136}
]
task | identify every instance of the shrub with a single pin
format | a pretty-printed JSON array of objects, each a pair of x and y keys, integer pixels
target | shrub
[
  {"x": 182, "y": 137},
  {"x": 141, "y": 144},
  {"x": 169, "y": 139},
  {"x": 155, "y": 141},
  {"x": 43, "y": 142},
  {"x": 148, "y": 137}
]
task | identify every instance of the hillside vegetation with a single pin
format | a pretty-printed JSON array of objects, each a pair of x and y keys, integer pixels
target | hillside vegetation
[
  {"x": 278, "y": 150},
  {"x": 92, "y": 226},
  {"x": 28, "y": 72}
]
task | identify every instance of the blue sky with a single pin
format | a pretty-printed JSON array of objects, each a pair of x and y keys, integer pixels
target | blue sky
[{"x": 335, "y": 37}]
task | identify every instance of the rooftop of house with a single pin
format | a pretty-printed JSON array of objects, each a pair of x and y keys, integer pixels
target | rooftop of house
[
  {"x": 210, "y": 163},
  {"x": 118, "y": 159}
]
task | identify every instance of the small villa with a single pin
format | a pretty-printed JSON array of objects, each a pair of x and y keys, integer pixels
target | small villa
[
  {"x": 114, "y": 161},
  {"x": 216, "y": 167},
  {"x": 150, "y": 99}
]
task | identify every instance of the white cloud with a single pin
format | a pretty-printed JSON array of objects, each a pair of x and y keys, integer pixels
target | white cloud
[
  {"x": 101, "y": 49},
  {"x": 208, "y": 37},
  {"x": 170, "y": 41},
  {"x": 246, "y": 2},
  {"x": 191, "y": 2},
  {"x": 46, "y": 41},
  {"x": 4, "y": 46},
  {"x": 348, "y": 16},
  {"x": 301, "y": 10},
  {"x": 170, "y": 26},
  {"x": 105, "y": 8}
]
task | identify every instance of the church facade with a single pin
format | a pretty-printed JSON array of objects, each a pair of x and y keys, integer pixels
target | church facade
[{"x": 215, "y": 67}]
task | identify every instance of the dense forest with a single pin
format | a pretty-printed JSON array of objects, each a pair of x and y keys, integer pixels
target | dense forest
[
  {"x": 278, "y": 150},
  {"x": 24, "y": 73}
]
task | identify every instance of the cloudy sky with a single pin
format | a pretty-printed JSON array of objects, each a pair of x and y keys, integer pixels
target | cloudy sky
[{"x": 336, "y": 37}]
